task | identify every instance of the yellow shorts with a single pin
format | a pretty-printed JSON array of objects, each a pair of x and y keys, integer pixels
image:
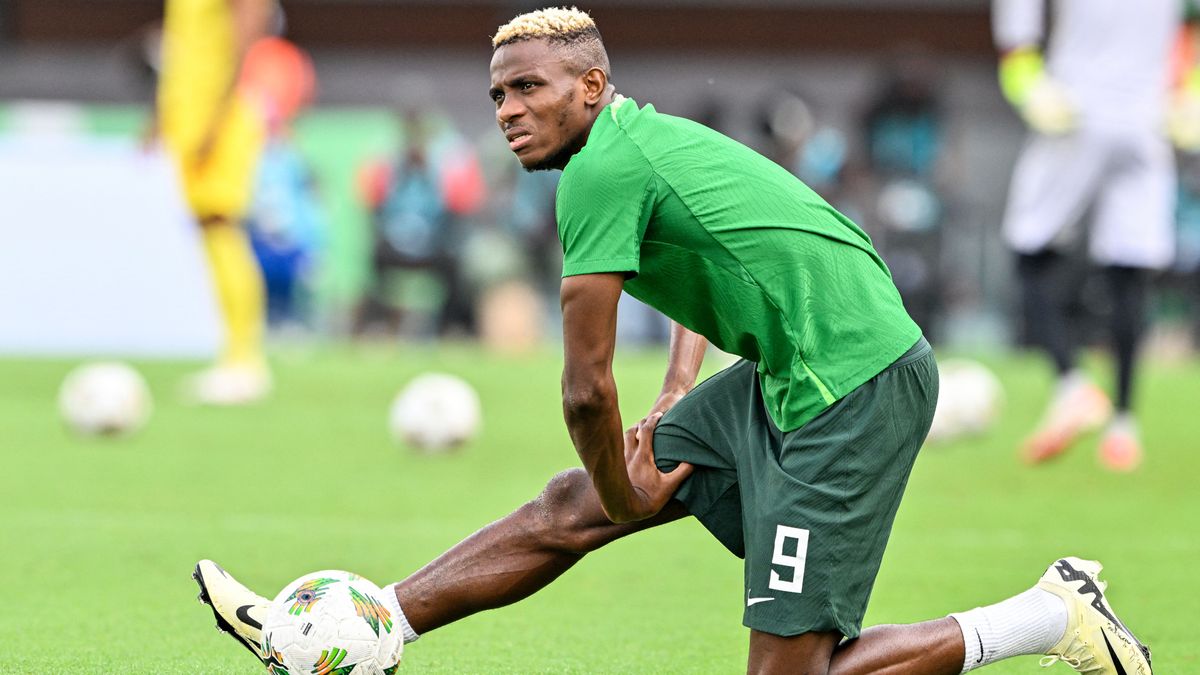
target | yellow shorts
[{"x": 220, "y": 184}]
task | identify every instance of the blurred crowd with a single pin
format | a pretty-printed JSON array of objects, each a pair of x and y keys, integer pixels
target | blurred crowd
[{"x": 463, "y": 242}]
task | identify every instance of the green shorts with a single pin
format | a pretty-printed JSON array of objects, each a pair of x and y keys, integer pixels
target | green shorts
[{"x": 809, "y": 510}]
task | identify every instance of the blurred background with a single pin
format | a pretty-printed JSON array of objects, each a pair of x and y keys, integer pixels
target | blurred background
[
  {"x": 396, "y": 235},
  {"x": 391, "y": 208}
]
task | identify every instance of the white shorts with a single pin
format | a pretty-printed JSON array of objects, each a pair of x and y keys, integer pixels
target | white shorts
[{"x": 1127, "y": 180}]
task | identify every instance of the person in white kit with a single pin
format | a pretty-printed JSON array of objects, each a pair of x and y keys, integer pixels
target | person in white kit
[{"x": 1098, "y": 107}]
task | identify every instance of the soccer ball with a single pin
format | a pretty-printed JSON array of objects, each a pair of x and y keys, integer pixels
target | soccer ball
[
  {"x": 435, "y": 412},
  {"x": 104, "y": 399},
  {"x": 331, "y": 623},
  {"x": 969, "y": 401}
]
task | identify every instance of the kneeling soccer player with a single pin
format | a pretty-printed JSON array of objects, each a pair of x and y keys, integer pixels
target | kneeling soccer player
[{"x": 794, "y": 458}]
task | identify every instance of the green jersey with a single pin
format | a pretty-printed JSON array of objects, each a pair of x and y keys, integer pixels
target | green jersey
[{"x": 733, "y": 247}]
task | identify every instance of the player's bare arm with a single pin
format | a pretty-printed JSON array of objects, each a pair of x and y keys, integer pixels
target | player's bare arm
[
  {"x": 251, "y": 20},
  {"x": 589, "y": 306},
  {"x": 684, "y": 358}
]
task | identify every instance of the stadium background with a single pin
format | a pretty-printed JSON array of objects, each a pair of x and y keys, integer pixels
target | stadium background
[{"x": 72, "y": 89}]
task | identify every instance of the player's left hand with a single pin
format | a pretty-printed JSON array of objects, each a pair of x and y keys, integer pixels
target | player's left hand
[{"x": 652, "y": 489}]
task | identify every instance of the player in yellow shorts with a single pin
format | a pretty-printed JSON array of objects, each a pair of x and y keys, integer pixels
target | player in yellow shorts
[{"x": 215, "y": 133}]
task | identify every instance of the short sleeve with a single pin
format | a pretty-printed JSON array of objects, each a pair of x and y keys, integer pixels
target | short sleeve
[{"x": 604, "y": 204}]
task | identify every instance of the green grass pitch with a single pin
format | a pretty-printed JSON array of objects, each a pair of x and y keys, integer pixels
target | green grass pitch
[{"x": 99, "y": 537}]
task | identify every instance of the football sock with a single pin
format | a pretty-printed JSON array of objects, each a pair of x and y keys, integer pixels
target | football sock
[
  {"x": 1029, "y": 623},
  {"x": 1128, "y": 287},
  {"x": 1045, "y": 298},
  {"x": 393, "y": 603},
  {"x": 239, "y": 290}
]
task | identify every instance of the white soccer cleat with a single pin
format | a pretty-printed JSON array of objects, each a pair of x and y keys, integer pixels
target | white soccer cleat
[
  {"x": 230, "y": 384},
  {"x": 239, "y": 611},
  {"x": 1081, "y": 408},
  {"x": 1095, "y": 642},
  {"x": 1121, "y": 448}
]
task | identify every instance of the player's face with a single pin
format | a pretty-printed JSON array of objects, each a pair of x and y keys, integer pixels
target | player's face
[{"x": 540, "y": 104}]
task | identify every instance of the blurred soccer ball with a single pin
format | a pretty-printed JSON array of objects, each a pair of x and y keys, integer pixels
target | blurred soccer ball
[
  {"x": 969, "y": 401},
  {"x": 107, "y": 399},
  {"x": 435, "y": 412},
  {"x": 331, "y": 622}
]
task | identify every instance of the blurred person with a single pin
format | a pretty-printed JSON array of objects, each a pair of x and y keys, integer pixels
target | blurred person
[
  {"x": 1096, "y": 105},
  {"x": 418, "y": 201},
  {"x": 215, "y": 131},
  {"x": 795, "y": 458},
  {"x": 284, "y": 220},
  {"x": 904, "y": 130}
]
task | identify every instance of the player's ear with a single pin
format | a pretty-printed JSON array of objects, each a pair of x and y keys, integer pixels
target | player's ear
[{"x": 594, "y": 84}]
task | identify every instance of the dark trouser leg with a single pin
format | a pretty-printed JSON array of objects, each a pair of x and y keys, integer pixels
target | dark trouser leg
[
  {"x": 517, "y": 555},
  {"x": 1045, "y": 295},
  {"x": 1128, "y": 288}
]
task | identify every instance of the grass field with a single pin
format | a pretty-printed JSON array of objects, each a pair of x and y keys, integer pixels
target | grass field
[{"x": 99, "y": 538}]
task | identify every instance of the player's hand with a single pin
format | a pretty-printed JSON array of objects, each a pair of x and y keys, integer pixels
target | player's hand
[
  {"x": 208, "y": 142},
  {"x": 1183, "y": 122},
  {"x": 652, "y": 489},
  {"x": 1048, "y": 109},
  {"x": 1041, "y": 101}
]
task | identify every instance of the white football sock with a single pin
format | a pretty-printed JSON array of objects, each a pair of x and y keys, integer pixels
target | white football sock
[
  {"x": 392, "y": 603},
  {"x": 1029, "y": 623}
]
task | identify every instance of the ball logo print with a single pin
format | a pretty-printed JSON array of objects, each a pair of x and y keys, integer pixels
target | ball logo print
[
  {"x": 307, "y": 595},
  {"x": 329, "y": 662},
  {"x": 375, "y": 614}
]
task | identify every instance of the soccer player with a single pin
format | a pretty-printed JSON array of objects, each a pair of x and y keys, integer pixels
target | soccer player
[
  {"x": 1097, "y": 107},
  {"x": 795, "y": 458},
  {"x": 215, "y": 134}
]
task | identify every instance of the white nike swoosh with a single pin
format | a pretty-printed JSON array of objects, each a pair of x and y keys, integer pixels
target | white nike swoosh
[{"x": 754, "y": 601}]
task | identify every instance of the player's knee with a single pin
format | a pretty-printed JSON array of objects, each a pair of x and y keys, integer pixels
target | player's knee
[{"x": 562, "y": 514}]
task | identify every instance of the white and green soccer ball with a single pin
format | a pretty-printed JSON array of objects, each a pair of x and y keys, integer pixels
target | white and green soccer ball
[
  {"x": 331, "y": 623},
  {"x": 435, "y": 412},
  {"x": 104, "y": 399}
]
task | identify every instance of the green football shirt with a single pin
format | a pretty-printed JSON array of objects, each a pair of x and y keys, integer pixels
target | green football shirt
[{"x": 732, "y": 246}]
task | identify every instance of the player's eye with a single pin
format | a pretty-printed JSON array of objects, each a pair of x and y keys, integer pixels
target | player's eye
[
  {"x": 496, "y": 96},
  {"x": 526, "y": 86}
]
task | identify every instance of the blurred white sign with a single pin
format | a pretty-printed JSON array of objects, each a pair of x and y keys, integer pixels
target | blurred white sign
[{"x": 98, "y": 255}]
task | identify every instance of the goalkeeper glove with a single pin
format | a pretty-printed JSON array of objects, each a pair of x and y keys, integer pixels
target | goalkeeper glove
[
  {"x": 1041, "y": 102},
  {"x": 1183, "y": 119}
]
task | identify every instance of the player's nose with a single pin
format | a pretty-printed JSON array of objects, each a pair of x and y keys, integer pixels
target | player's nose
[{"x": 509, "y": 110}]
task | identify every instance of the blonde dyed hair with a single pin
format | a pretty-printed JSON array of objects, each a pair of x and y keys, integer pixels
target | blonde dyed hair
[{"x": 567, "y": 27}]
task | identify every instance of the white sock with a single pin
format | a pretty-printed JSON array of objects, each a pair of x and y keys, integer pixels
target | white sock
[
  {"x": 1029, "y": 623},
  {"x": 391, "y": 602},
  {"x": 1071, "y": 381}
]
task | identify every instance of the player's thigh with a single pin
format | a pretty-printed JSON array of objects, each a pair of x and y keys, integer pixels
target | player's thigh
[
  {"x": 818, "y": 513},
  {"x": 223, "y": 182},
  {"x": 1054, "y": 182},
  {"x": 708, "y": 429},
  {"x": 1134, "y": 220},
  {"x": 806, "y": 653}
]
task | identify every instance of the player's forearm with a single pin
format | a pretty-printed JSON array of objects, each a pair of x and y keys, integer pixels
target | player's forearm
[
  {"x": 251, "y": 21},
  {"x": 594, "y": 422},
  {"x": 684, "y": 359}
]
